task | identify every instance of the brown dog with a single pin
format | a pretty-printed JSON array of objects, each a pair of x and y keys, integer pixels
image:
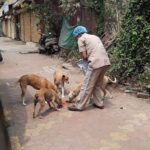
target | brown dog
[
  {"x": 74, "y": 93},
  {"x": 104, "y": 87},
  {"x": 59, "y": 80},
  {"x": 46, "y": 95},
  {"x": 36, "y": 82}
]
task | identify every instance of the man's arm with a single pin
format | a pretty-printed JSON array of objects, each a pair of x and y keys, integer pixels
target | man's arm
[{"x": 84, "y": 55}]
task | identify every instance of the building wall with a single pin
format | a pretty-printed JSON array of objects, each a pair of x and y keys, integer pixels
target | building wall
[
  {"x": 1, "y": 31},
  {"x": 22, "y": 27},
  {"x": 4, "y": 27},
  {"x": 13, "y": 34},
  {"x": 27, "y": 27},
  {"x": 9, "y": 28},
  {"x": 29, "y": 31},
  {"x": 35, "y": 36}
]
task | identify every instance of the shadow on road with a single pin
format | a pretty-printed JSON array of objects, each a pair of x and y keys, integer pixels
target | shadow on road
[
  {"x": 15, "y": 113},
  {"x": 4, "y": 138}
]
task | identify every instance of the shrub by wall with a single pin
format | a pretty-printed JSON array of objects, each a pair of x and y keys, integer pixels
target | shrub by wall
[{"x": 130, "y": 56}]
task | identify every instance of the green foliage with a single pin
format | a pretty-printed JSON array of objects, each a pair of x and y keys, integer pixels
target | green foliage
[
  {"x": 132, "y": 50},
  {"x": 145, "y": 76},
  {"x": 98, "y": 6},
  {"x": 48, "y": 17},
  {"x": 70, "y": 7}
]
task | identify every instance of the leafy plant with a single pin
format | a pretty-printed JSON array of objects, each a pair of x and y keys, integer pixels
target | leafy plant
[
  {"x": 145, "y": 76},
  {"x": 47, "y": 17},
  {"x": 69, "y": 7},
  {"x": 131, "y": 52},
  {"x": 98, "y": 6}
]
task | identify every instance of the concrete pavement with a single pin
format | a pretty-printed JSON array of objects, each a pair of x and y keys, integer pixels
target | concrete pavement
[{"x": 113, "y": 128}]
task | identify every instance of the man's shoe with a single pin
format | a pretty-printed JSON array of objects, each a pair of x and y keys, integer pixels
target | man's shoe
[
  {"x": 73, "y": 108},
  {"x": 100, "y": 107}
]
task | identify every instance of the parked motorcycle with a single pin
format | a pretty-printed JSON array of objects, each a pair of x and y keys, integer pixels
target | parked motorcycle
[{"x": 48, "y": 44}]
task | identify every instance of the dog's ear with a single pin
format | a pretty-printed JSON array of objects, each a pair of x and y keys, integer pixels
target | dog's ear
[{"x": 63, "y": 76}]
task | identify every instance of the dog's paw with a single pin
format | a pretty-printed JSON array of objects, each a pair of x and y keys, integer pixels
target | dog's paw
[
  {"x": 62, "y": 97},
  {"x": 34, "y": 116},
  {"x": 59, "y": 107},
  {"x": 56, "y": 109},
  {"x": 41, "y": 117},
  {"x": 24, "y": 104},
  {"x": 111, "y": 97}
]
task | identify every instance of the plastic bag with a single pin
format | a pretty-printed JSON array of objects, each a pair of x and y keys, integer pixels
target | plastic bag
[{"x": 83, "y": 65}]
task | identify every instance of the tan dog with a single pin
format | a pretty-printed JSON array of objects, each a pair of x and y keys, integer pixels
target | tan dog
[
  {"x": 46, "y": 95},
  {"x": 36, "y": 82},
  {"x": 59, "y": 80},
  {"x": 74, "y": 93},
  {"x": 104, "y": 87}
]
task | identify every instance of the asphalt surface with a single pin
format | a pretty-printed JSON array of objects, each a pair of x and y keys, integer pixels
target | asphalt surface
[
  {"x": 4, "y": 139},
  {"x": 122, "y": 125}
]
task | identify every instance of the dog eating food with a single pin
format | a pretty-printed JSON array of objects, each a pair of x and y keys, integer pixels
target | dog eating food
[
  {"x": 104, "y": 87},
  {"x": 36, "y": 82},
  {"x": 46, "y": 95}
]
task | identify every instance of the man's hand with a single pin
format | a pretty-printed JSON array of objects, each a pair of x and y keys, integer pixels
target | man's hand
[{"x": 84, "y": 55}]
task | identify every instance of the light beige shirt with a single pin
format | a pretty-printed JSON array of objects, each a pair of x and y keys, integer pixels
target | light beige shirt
[{"x": 97, "y": 55}]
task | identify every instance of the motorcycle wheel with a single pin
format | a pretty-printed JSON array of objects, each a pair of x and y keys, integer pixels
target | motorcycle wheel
[{"x": 41, "y": 50}]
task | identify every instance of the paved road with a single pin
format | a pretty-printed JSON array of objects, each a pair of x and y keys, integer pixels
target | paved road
[
  {"x": 110, "y": 129},
  {"x": 4, "y": 141}
]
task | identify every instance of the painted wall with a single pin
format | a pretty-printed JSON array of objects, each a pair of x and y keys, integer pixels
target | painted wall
[{"x": 29, "y": 30}]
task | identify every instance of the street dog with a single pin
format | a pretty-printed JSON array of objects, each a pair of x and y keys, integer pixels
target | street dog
[
  {"x": 59, "y": 80},
  {"x": 104, "y": 87},
  {"x": 74, "y": 93},
  {"x": 36, "y": 82},
  {"x": 46, "y": 95}
]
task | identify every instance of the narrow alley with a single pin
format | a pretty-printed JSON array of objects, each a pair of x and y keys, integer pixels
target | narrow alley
[{"x": 122, "y": 125}]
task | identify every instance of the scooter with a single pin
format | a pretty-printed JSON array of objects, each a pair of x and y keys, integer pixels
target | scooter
[{"x": 47, "y": 44}]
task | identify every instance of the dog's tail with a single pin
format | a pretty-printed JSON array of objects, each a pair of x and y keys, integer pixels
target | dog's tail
[{"x": 112, "y": 81}]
